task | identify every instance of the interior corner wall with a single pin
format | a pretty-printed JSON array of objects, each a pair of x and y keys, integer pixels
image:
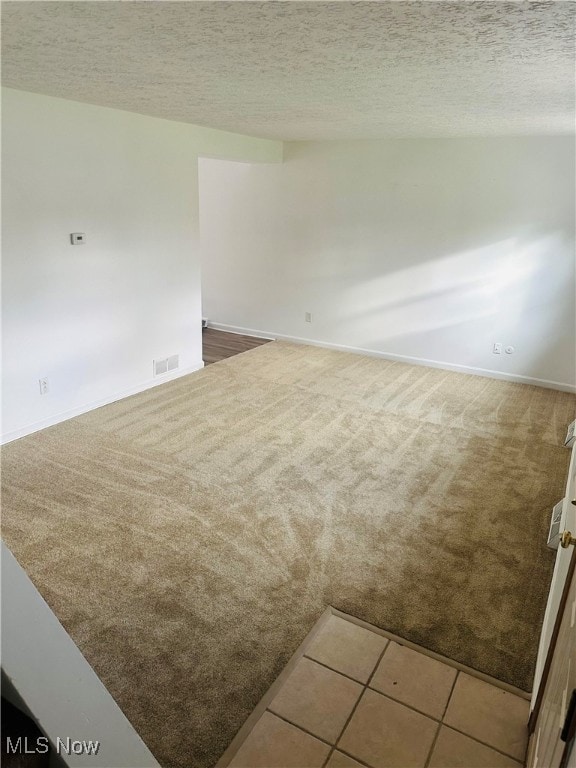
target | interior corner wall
[
  {"x": 431, "y": 250},
  {"x": 93, "y": 317}
]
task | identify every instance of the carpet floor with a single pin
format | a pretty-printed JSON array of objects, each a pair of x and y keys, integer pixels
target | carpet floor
[{"x": 189, "y": 537}]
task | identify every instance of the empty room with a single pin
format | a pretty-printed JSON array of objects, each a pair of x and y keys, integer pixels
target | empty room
[{"x": 288, "y": 384}]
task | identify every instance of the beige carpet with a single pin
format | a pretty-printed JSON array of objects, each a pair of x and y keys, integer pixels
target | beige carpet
[{"x": 189, "y": 537}]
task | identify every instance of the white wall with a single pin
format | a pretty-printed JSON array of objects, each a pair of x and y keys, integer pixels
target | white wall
[
  {"x": 93, "y": 317},
  {"x": 430, "y": 249}
]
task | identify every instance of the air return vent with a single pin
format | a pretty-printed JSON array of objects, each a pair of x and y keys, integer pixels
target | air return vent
[{"x": 166, "y": 365}]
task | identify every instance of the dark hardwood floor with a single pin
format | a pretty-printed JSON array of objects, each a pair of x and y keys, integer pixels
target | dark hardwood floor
[{"x": 218, "y": 345}]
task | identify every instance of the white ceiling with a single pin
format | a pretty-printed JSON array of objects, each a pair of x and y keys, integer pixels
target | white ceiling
[{"x": 306, "y": 70}]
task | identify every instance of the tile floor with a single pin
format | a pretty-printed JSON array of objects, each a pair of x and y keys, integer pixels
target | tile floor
[{"x": 357, "y": 699}]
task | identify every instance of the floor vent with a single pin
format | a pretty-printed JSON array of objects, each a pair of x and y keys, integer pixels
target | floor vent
[{"x": 166, "y": 365}]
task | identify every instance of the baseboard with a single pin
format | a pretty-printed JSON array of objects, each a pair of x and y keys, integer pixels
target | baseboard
[
  {"x": 486, "y": 372},
  {"x": 36, "y": 426},
  {"x": 249, "y": 332}
]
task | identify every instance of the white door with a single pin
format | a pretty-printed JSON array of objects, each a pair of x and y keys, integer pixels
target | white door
[
  {"x": 553, "y": 717},
  {"x": 560, "y": 574},
  {"x": 555, "y": 728}
]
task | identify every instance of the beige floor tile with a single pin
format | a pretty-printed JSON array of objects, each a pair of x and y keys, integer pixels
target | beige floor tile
[
  {"x": 386, "y": 734},
  {"x": 317, "y": 699},
  {"x": 454, "y": 750},
  {"x": 274, "y": 743},
  {"x": 348, "y": 648},
  {"x": 489, "y": 714},
  {"x": 414, "y": 679},
  {"x": 339, "y": 760}
]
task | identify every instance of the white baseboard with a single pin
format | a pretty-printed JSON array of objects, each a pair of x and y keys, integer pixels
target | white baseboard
[
  {"x": 250, "y": 332},
  {"x": 36, "y": 426},
  {"x": 486, "y": 372}
]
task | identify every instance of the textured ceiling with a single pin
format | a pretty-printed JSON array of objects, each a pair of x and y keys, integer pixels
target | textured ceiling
[{"x": 306, "y": 70}]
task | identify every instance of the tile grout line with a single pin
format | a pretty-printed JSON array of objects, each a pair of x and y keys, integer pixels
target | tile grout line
[
  {"x": 365, "y": 688},
  {"x": 484, "y": 744},
  {"x": 300, "y": 728},
  {"x": 349, "y": 718},
  {"x": 367, "y": 683},
  {"x": 328, "y": 756},
  {"x": 353, "y": 757},
  {"x": 433, "y": 745},
  {"x": 456, "y": 676},
  {"x": 446, "y": 725},
  {"x": 404, "y": 704},
  {"x": 332, "y": 669},
  {"x": 334, "y": 747},
  {"x": 434, "y": 740}
]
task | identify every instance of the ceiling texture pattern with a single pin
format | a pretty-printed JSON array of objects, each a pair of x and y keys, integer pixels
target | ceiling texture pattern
[{"x": 306, "y": 70}]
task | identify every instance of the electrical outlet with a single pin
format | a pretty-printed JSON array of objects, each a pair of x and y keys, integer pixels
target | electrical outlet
[
  {"x": 497, "y": 348},
  {"x": 509, "y": 350},
  {"x": 43, "y": 386},
  {"x": 308, "y": 317}
]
